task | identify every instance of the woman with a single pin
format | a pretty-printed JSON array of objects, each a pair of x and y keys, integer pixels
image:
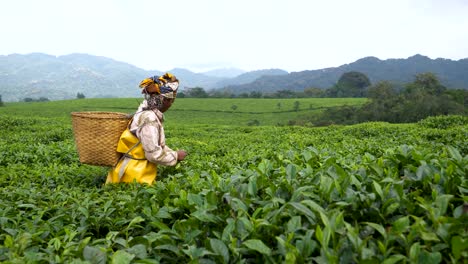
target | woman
[{"x": 143, "y": 143}]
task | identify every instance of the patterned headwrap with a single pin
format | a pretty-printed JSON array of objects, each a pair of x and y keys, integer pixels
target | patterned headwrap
[{"x": 165, "y": 85}]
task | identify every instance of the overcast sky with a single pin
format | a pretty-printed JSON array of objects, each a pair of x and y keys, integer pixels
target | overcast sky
[{"x": 199, "y": 35}]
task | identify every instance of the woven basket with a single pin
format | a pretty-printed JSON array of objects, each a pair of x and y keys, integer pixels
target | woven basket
[{"x": 97, "y": 135}]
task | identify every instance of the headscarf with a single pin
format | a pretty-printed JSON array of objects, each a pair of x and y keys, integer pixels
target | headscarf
[
  {"x": 157, "y": 87},
  {"x": 165, "y": 85}
]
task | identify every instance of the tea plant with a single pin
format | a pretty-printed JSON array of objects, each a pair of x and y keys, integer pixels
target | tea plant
[{"x": 368, "y": 193}]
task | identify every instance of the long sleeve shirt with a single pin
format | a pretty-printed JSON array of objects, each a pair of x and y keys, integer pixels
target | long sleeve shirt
[{"x": 148, "y": 127}]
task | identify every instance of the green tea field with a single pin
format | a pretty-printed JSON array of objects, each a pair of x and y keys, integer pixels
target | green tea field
[{"x": 251, "y": 190}]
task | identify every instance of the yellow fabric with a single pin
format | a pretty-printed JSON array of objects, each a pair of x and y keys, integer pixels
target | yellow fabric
[
  {"x": 148, "y": 81},
  {"x": 137, "y": 168},
  {"x": 168, "y": 78},
  {"x": 154, "y": 86}
]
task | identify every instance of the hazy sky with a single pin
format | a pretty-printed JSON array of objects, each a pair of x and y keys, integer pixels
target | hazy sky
[{"x": 200, "y": 35}]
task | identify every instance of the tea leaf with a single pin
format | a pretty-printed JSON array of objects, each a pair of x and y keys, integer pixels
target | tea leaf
[
  {"x": 378, "y": 189},
  {"x": 220, "y": 248},
  {"x": 414, "y": 252},
  {"x": 454, "y": 153},
  {"x": 442, "y": 202},
  {"x": 257, "y": 245},
  {"x": 378, "y": 227},
  {"x": 401, "y": 224},
  {"x": 135, "y": 221},
  {"x": 429, "y": 236},
  {"x": 459, "y": 245},
  {"x": 94, "y": 255},
  {"x": 122, "y": 257},
  {"x": 394, "y": 259},
  {"x": 430, "y": 257},
  {"x": 303, "y": 209}
]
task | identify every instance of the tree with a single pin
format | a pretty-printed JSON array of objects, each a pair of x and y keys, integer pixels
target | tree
[
  {"x": 285, "y": 94},
  {"x": 1, "y": 101},
  {"x": 314, "y": 92},
  {"x": 41, "y": 99},
  {"x": 221, "y": 94},
  {"x": 80, "y": 96},
  {"x": 424, "y": 97},
  {"x": 381, "y": 91},
  {"x": 426, "y": 83},
  {"x": 197, "y": 92},
  {"x": 383, "y": 101},
  {"x": 350, "y": 84},
  {"x": 296, "y": 106},
  {"x": 460, "y": 96},
  {"x": 255, "y": 94}
]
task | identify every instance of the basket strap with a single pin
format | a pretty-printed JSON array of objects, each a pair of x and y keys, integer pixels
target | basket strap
[{"x": 125, "y": 161}]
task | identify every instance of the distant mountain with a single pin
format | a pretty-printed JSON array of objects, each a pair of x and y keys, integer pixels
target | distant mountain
[
  {"x": 224, "y": 73},
  {"x": 190, "y": 79},
  {"x": 249, "y": 77},
  {"x": 452, "y": 74},
  {"x": 40, "y": 75}
]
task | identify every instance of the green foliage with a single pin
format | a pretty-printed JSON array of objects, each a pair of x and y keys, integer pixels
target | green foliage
[
  {"x": 314, "y": 92},
  {"x": 285, "y": 94},
  {"x": 367, "y": 193},
  {"x": 350, "y": 84},
  {"x": 255, "y": 94},
  {"x": 193, "y": 110},
  {"x": 444, "y": 122},
  {"x": 345, "y": 115},
  {"x": 354, "y": 79},
  {"x": 459, "y": 95},
  {"x": 425, "y": 83},
  {"x": 382, "y": 91},
  {"x": 80, "y": 96},
  {"x": 420, "y": 99},
  {"x": 296, "y": 105},
  {"x": 196, "y": 92},
  {"x": 41, "y": 99},
  {"x": 1, "y": 101}
]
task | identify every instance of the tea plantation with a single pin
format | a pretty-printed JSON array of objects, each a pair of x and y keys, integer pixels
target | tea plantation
[{"x": 249, "y": 191}]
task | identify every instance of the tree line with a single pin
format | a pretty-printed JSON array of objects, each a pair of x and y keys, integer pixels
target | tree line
[
  {"x": 423, "y": 97},
  {"x": 350, "y": 84},
  {"x": 388, "y": 102}
]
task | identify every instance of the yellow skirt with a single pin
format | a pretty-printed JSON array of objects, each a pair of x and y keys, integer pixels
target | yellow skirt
[{"x": 133, "y": 166}]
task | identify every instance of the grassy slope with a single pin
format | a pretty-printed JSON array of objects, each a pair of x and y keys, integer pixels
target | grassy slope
[{"x": 190, "y": 110}]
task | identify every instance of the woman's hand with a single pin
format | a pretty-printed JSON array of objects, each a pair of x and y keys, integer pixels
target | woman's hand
[{"x": 181, "y": 155}]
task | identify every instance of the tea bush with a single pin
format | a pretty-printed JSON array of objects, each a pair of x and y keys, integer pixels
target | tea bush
[
  {"x": 367, "y": 193},
  {"x": 444, "y": 122}
]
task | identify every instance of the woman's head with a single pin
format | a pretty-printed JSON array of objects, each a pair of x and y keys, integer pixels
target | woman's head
[
  {"x": 160, "y": 92},
  {"x": 158, "y": 101}
]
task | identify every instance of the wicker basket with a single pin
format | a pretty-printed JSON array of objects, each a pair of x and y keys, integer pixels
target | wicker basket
[{"x": 97, "y": 135}]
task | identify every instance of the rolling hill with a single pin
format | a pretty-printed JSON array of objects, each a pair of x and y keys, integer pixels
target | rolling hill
[
  {"x": 452, "y": 74},
  {"x": 39, "y": 75}
]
